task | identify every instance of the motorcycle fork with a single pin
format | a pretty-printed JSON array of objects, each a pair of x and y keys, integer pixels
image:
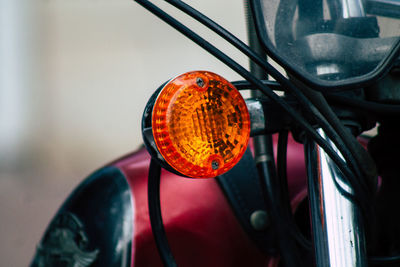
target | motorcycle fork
[{"x": 337, "y": 226}]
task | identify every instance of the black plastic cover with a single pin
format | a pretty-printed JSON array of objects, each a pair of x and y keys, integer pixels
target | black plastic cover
[{"x": 94, "y": 227}]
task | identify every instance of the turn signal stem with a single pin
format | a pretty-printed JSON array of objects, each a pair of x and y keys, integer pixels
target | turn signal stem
[{"x": 262, "y": 122}]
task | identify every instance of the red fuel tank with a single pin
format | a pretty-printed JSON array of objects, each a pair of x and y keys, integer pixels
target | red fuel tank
[{"x": 200, "y": 225}]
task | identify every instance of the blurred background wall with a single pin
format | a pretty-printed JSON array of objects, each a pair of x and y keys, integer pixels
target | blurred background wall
[{"x": 75, "y": 76}]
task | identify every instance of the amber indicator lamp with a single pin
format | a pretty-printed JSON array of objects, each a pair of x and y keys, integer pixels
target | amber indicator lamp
[{"x": 200, "y": 124}]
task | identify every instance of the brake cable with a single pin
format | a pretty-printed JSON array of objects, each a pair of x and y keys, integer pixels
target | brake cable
[
  {"x": 330, "y": 131},
  {"x": 282, "y": 175},
  {"x": 228, "y": 61},
  {"x": 156, "y": 221}
]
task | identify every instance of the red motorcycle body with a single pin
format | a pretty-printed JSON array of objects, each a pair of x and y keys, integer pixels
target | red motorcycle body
[{"x": 109, "y": 212}]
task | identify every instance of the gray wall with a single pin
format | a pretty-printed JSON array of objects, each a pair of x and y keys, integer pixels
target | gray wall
[{"x": 84, "y": 71}]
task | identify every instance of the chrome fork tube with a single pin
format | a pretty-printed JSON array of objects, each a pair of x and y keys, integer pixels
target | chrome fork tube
[
  {"x": 337, "y": 227},
  {"x": 352, "y": 8}
]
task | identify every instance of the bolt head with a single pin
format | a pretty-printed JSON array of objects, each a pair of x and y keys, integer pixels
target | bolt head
[
  {"x": 200, "y": 82},
  {"x": 259, "y": 220},
  {"x": 214, "y": 165}
]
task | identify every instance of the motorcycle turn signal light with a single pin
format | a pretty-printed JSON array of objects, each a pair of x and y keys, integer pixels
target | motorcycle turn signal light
[{"x": 197, "y": 124}]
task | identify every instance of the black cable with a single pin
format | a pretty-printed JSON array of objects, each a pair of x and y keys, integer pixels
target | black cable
[
  {"x": 236, "y": 42},
  {"x": 358, "y": 153},
  {"x": 281, "y": 167},
  {"x": 282, "y": 175},
  {"x": 156, "y": 221},
  {"x": 242, "y": 85},
  {"x": 158, "y": 226},
  {"x": 245, "y": 85},
  {"x": 359, "y": 197},
  {"x": 342, "y": 165},
  {"x": 365, "y": 185},
  {"x": 263, "y": 88},
  {"x": 370, "y": 106},
  {"x": 330, "y": 130},
  {"x": 232, "y": 39},
  {"x": 286, "y": 244},
  {"x": 362, "y": 105}
]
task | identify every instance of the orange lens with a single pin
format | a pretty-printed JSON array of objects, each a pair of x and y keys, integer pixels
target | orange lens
[{"x": 201, "y": 124}]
